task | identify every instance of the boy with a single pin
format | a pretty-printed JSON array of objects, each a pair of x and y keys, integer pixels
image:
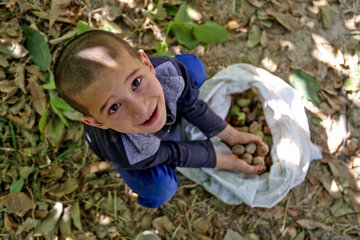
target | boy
[{"x": 132, "y": 107}]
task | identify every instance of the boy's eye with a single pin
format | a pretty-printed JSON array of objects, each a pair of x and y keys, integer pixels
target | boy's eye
[
  {"x": 114, "y": 107},
  {"x": 135, "y": 83}
]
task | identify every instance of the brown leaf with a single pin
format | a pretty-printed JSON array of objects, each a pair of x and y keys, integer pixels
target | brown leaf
[
  {"x": 9, "y": 224},
  {"x": 232, "y": 235},
  {"x": 327, "y": 15},
  {"x": 19, "y": 203},
  {"x": 50, "y": 222},
  {"x": 277, "y": 212},
  {"x": 60, "y": 189},
  {"x": 84, "y": 236},
  {"x": 163, "y": 224},
  {"x": 51, "y": 173},
  {"x": 340, "y": 208},
  {"x": 246, "y": 8},
  {"x": 100, "y": 167},
  {"x": 355, "y": 200},
  {"x": 284, "y": 19},
  {"x": 37, "y": 96},
  {"x": 330, "y": 185},
  {"x": 331, "y": 102},
  {"x": 311, "y": 224},
  {"x": 19, "y": 71},
  {"x": 256, "y": 3},
  {"x": 201, "y": 225},
  {"x": 65, "y": 222},
  {"x": 34, "y": 70},
  {"x": 56, "y": 7},
  {"x": 25, "y": 118},
  {"x": 340, "y": 169},
  {"x": 7, "y": 86}
]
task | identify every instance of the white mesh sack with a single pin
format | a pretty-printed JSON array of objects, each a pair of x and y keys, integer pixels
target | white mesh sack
[{"x": 292, "y": 149}]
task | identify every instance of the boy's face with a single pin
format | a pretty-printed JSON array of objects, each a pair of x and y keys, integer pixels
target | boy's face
[{"x": 127, "y": 98}]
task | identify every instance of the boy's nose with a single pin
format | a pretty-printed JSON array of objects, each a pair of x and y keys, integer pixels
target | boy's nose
[{"x": 138, "y": 108}]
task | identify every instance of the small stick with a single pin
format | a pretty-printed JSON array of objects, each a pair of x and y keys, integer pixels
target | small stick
[{"x": 115, "y": 206}]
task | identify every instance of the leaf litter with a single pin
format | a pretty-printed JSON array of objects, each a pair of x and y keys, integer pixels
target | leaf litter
[{"x": 74, "y": 194}]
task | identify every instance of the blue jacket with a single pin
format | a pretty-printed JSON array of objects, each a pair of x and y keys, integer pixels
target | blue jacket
[{"x": 145, "y": 150}]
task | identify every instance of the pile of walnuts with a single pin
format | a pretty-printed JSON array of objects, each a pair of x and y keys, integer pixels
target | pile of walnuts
[{"x": 246, "y": 114}]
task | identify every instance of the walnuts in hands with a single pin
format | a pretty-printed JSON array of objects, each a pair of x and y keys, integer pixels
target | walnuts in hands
[
  {"x": 262, "y": 149},
  {"x": 251, "y": 153}
]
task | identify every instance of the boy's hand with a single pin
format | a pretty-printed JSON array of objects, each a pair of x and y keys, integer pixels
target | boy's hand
[
  {"x": 232, "y": 136},
  {"x": 233, "y": 163}
]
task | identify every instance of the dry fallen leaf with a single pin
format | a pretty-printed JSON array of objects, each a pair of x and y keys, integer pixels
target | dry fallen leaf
[
  {"x": 65, "y": 222},
  {"x": 50, "y": 222},
  {"x": 311, "y": 224},
  {"x": 9, "y": 224},
  {"x": 25, "y": 118},
  {"x": 327, "y": 15},
  {"x": 19, "y": 71},
  {"x": 60, "y": 189},
  {"x": 51, "y": 173},
  {"x": 37, "y": 96},
  {"x": 284, "y": 19},
  {"x": 57, "y": 6},
  {"x": 18, "y": 203},
  {"x": 163, "y": 224}
]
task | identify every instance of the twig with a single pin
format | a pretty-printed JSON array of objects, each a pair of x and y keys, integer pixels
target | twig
[
  {"x": 7, "y": 149},
  {"x": 83, "y": 162},
  {"x": 176, "y": 230},
  {"x": 285, "y": 217},
  {"x": 187, "y": 219},
  {"x": 115, "y": 206},
  {"x": 193, "y": 202},
  {"x": 310, "y": 195}
]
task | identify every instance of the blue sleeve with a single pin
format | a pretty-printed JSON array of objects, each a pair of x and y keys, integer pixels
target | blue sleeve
[
  {"x": 194, "y": 110},
  {"x": 107, "y": 144}
]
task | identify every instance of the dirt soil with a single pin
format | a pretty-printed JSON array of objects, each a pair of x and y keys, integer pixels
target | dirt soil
[{"x": 91, "y": 193}]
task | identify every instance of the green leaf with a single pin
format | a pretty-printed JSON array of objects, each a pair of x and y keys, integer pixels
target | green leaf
[
  {"x": 352, "y": 84},
  {"x": 60, "y": 103},
  {"x": 182, "y": 15},
  {"x": 162, "y": 49},
  {"x": 42, "y": 121},
  {"x": 50, "y": 85},
  {"x": 37, "y": 47},
  {"x": 60, "y": 115},
  {"x": 82, "y": 27},
  {"x": 170, "y": 10},
  {"x": 306, "y": 85},
  {"x": 211, "y": 33},
  {"x": 184, "y": 35},
  {"x": 17, "y": 185}
]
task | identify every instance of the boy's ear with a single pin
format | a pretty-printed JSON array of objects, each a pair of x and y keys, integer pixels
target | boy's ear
[
  {"x": 145, "y": 60},
  {"x": 93, "y": 122}
]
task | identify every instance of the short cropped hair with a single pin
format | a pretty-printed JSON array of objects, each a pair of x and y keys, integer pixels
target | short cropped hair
[{"x": 78, "y": 65}]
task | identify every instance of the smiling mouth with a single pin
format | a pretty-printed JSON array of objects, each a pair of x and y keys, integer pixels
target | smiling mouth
[{"x": 152, "y": 118}]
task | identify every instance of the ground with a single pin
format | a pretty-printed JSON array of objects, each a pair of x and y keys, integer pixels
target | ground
[{"x": 318, "y": 37}]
